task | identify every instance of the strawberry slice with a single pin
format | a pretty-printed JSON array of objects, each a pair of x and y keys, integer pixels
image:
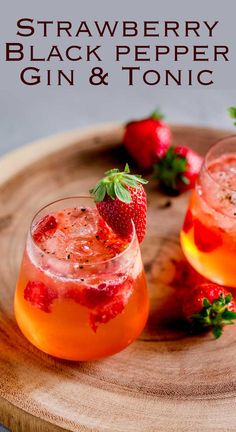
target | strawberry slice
[
  {"x": 205, "y": 238},
  {"x": 39, "y": 295},
  {"x": 105, "y": 301},
  {"x": 188, "y": 222},
  {"x": 106, "y": 313},
  {"x": 114, "y": 304},
  {"x": 45, "y": 226},
  {"x": 93, "y": 297}
]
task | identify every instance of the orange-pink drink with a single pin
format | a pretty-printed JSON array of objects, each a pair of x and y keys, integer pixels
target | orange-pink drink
[
  {"x": 208, "y": 236},
  {"x": 81, "y": 293}
]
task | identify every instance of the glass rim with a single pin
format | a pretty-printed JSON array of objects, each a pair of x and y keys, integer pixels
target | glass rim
[
  {"x": 77, "y": 197},
  {"x": 204, "y": 165}
]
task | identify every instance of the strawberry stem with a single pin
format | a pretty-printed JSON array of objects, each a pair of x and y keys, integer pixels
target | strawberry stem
[
  {"x": 157, "y": 115},
  {"x": 170, "y": 169},
  {"x": 214, "y": 315}
]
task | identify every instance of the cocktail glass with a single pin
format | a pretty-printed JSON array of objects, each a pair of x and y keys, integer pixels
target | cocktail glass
[
  {"x": 81, "y": 292},
  {"x": 208, "y": 236}
]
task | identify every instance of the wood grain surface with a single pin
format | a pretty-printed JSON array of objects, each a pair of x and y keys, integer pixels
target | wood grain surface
[{"x": 166, "y": 381}]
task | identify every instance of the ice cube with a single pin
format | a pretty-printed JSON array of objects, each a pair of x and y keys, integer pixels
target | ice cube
[{"x": 83, "y": 223}]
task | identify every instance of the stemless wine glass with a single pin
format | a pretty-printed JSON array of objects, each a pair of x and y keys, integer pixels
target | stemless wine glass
[
  {"x": 208, "y": 236},
  {"x": 81, "y": 292}
]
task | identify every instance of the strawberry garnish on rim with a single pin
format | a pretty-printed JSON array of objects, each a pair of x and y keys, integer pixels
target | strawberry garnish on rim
[
  {"x": 44, "y": 227},
  {"x": 210, "y": 306},
  {"x": 120, "y": 199}
]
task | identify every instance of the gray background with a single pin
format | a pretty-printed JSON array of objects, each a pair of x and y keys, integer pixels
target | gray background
[{"x": 28, "y": 113}]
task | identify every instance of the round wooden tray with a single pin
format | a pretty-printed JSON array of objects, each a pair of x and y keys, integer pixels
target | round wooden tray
[{"x": 165, "y": 381}]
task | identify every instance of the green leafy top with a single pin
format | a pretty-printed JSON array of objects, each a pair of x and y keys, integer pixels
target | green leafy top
[
  {"x": 170, "y": 169},
  {"x": 215, "y": 315},
  {"x": 157, "y": 115},
  {"x": 115, "y": 183},
  {"x": 232, "y": 113}
]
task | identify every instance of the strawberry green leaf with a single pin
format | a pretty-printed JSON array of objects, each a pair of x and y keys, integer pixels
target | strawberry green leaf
[
  {"x": 217, "y": 331},
  {"x": 130, "y": 182},
  {"x": 94, "y": 190},
  {"x": 100, "y": 193},
  {"x": 110, "y": 190},
  {"x": 232, "y": 112},
  {"x": 228, "y": 315},
  {"x": 122, "y": 193},
  {"x": 112, "y": 171},
  {"x": 127, "y": 170},
  {"x": 170, "y": 169},
  {"x": 116, "y": 184},
  {"x": 136, "y": 178},
  {"x": 228, "y": 298},
  {"x": 206, "y": 302},
  {"x": 157, "y": 115},
  {"x": 214, "y": 315},
  {"x": 184, "y": 179}
]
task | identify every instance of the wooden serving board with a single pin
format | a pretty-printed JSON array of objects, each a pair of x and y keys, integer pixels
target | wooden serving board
[{"x": 166, "y": 381}]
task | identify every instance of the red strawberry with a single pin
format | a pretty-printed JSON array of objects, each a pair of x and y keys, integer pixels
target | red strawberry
[
  {"x": 103, "y": 229},
  {"x": 113, "y": 305},
  {"x": 210, "y": 306},
  {"x": 103, "y": 293},
  {"x": 178, "y": 169},
  {"x": 120, "y": 199},
  {"x": 45, "y": 226},
  {"x": 148, "y": 139},
  {"x": 188, "y": 222},
  {"x": 39, "y": 295},
  {"x": 93, "y": 296},
  {"x": 106, "y": 313},
  {"x": 74, "y": 294},
  {"x": 206, "y": 239}
]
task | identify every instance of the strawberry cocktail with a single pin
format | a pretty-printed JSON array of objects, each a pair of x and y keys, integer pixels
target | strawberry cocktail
[
  {"x": 81, "y": 292},
  {"x": 208, "y": 236}
]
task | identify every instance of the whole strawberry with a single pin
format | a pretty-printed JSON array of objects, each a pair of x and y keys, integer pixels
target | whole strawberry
[
  {"x": 210, "y": 306},
  {"x": 147, "y": 140},
  {"x": 120, "y": 199},
  {"x": 178, "y": 169}
]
